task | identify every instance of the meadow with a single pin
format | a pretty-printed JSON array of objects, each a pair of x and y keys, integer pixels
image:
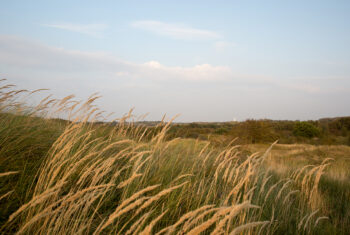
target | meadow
[{"x": 84, "y": 175}]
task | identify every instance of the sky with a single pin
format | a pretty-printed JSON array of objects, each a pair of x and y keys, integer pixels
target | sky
[{"x": 205, "y": 60}]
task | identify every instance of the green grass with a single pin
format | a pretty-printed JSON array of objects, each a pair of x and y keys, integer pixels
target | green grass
[{"x": 85, "y": 177}]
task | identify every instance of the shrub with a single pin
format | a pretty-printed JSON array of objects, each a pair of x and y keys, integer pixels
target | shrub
[{"x": 305, "y": 129}]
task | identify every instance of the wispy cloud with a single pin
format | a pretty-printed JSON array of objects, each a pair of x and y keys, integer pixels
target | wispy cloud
[
  {"x": 202, "y": 72},
  {"x": 23, "y": 53},
  {"x": 28, "y": 54},
  {"x": 175, "y": 31},
  {"x": 95, "y": 30},
  {"x": 153, "y": 86}
]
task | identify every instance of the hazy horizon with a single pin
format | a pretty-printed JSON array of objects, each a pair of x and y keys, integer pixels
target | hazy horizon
[{"x": 208, "y": 61}]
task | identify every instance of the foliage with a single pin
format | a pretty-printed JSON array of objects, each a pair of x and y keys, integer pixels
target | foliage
[
  {"x": 305, "y": 129},
  {"x": 327, "y": 131},
  {"x": 85, "y": 177}
]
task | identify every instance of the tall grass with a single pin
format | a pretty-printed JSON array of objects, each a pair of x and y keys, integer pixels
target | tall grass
[{"x": 85, "y": 177}]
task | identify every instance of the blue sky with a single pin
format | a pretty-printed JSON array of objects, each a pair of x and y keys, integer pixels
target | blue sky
[{"x": 207, "y": 60}]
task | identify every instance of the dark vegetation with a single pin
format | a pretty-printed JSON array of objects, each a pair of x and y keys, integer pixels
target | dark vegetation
[{"x": 328, "y": 131}]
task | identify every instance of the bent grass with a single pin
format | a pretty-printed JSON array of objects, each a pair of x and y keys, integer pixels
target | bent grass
[{"x": 96, "y": 178}]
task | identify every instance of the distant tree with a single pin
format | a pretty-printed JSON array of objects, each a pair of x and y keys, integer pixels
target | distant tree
[
  {"x": 194, "y": 125},
  {"x": 258, "y": 131},
  {"x": 305, "y": 129},
  {"x": 221, "y": 131}
]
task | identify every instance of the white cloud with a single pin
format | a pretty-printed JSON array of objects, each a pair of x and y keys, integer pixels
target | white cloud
[
  {"x": 26, "y": 56},
  {"x": 203, "y": 72},
  {"x": 202, "y": 92},
  {"x": 22, "y": 53},
  {"x": 175, "y": 31},
  {"x": 154, "y": 64},
  {"x": 95, "y": 30}
]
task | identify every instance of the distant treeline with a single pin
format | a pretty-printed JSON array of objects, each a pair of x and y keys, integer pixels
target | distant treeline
[{"x": 323, "y": 131}]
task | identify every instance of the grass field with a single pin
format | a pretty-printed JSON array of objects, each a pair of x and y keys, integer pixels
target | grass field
[{"x": 82, "y": 177}]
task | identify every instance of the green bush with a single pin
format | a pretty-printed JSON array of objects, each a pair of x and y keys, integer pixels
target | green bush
[{"x": 305, "y": 129}]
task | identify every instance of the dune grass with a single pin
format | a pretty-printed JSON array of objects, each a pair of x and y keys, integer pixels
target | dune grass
[{"x": 85, "y": 177}]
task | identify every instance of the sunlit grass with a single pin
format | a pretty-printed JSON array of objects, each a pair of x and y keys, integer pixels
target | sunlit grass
[{"x": 82, "y": 177}]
